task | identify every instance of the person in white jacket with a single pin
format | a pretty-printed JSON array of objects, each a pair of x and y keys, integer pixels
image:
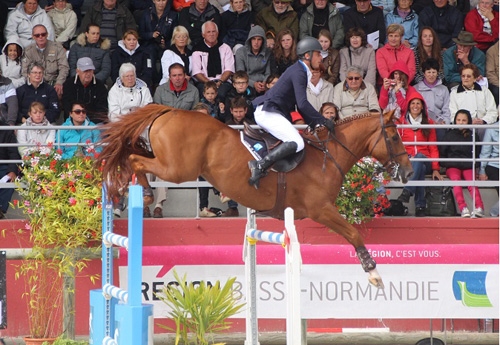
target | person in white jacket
[
  {"x": 23, "y": 18},
  {"x": 35, "y": 136},
  {"x": 10, "y": 63},
  {"x": 64, "y": 19},
  {"x": 471, "y": 96},
  {"x": 127, "y": 94}
]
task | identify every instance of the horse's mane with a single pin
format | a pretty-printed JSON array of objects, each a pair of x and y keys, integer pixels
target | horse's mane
[{"x": 349, "y": 119}]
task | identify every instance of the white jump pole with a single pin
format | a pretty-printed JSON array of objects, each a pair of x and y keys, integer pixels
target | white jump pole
[{"x": 293, "y": 262}]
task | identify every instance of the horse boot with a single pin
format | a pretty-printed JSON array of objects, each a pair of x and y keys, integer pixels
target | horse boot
[{"x": 258, "y": 169}]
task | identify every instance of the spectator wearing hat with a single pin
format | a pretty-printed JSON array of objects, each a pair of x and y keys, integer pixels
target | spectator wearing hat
[
  {"x": 367, "y": 17},
  {"x": 482, "y": 22},
  {"x": 84, "y": 88},
  {"x": 445, "y": 19},
  {"x": 278, "y": 16},
  {"x": 51, "y": 55},
  {"x": 463, "y": 53}
]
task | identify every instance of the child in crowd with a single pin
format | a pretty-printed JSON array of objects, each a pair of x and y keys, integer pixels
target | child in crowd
[
  {"x": 394, "y": 91},
  {"x": 458, "y": 171},
  {"x": 212, "y": 101},
  {"x": 35, "y": 137},
  {"x": 271, "y": 80},
  {"x": 270, "y": 40},
  {"x": 10, "y": 63},
  {"x": 329, "y": 111},
  {"x": 240, "y": 89}
]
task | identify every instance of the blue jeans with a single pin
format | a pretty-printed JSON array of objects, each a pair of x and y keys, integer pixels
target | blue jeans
[{"x": 420, "y": 169}]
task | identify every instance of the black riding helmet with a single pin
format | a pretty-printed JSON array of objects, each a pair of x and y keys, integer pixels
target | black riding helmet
[{"x": 307, "y": 45}]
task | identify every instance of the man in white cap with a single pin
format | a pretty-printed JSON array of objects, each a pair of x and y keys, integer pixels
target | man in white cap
[{"x": 86, "y": 89}]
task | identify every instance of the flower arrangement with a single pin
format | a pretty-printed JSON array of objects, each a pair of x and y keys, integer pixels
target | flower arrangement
[
  {"x": 61, "y": 199},
  {"x": 362, "y": 195}
]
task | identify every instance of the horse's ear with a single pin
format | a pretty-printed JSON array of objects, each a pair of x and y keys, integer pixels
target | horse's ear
[{"x": 389, "y": 116}]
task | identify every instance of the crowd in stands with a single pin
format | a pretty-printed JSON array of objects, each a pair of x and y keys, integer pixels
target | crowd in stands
[{"x": 430, "y": 61}]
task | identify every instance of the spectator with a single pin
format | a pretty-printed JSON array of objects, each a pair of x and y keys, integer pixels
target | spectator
[
  {"x": 394, "y": 51},
  {"x": 445, "y": 19},
  {"x": 367, "y": 17},
  {"x": 211, "y": 99},
  {"x": 213, "y": 60},
  {"x": 77, "y": 117},
  {"x": 284, "y": 54},
  {"x": 64, "y": 21},
  {"x": 180, "y": 94},
  {"x": 277, "y": 17},
  {"x": 405, "y": 16},
  {"x": 155, "y": 29},
  {"x": 11, "y": 170},
  {"x": 129, "y": 50},
  {"x": 417, "y": 115},
  {"x": 236, "y": 24},
  {"x": 471, "y": 96},
  {"x": 113, "y": 18},
  {"x": 254, "y": 59},
  {"x": 458, "y": 171},
  {"x": 321, "y": 15},
  {"x": 10, "y": 63},
  {"x": 460, "y": 55},
  {"x": 4, "y": 11},
  {"x": 428, "y": 46},
  {"x": 86, "y": 89},
  {"x": 238, "y": 109},
  {"x": 489, "y": 170},
  {"x": 240, "y": 89},
  {"x": 36, "y": 89},
  {"x": 127, "y": 94},
  {"x": 35, "y": 137},
  {"x": 270, "y": 40},
  {"x": 90, "y": 44},
  {"x": 436, "y": 95},
  {"x": 225, "y": 5},
  {"x": 331, "y": 58},
  {"x": 330, "y": 111},
  {"x": 51, "y": 55},
  {"x": 358, "y": 52},
  {"x": 194, "y": 16},
  {"x": 483, "y": 23},
  {"x": 387, "y": 6},
  {"x": 177, "y": 92},
  {"x": 492, "y": 70},
  {"x": 353, "y": 96},
  {"x": 8, "y": 101},
  {"x": 179, "y": 52},
  {"x": 23, "y": 18},
  {"x": 259, "y": 5},
  {"x": 271, "y": 81},
  {"x": 394, "y": 91},
  {"x": 319, "y": 90}
]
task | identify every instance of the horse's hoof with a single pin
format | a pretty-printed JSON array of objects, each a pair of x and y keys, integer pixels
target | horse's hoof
[
  {"x": 148, "y": 200},
  {"x": 375, "y": 279}
]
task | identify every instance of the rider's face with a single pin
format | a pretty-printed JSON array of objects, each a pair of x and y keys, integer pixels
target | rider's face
[{"x": 316, "y": 60}]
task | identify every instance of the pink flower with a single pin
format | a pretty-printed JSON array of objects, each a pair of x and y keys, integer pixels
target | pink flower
[{"x": 72, "y": 201}]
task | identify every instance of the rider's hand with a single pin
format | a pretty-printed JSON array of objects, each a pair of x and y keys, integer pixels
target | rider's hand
[{"x": 329, "y": 124}]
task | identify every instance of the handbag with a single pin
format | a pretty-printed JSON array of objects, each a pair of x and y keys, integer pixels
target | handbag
[{"x": 440, "y": 202}]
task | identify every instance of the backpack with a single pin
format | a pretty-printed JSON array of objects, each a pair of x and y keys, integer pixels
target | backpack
[
  {"x": 396, "y": 209},
  {"x": 440, "y": 202}
]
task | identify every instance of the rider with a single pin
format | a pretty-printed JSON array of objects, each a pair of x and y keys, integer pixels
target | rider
[{"x": 272, "y": 110}]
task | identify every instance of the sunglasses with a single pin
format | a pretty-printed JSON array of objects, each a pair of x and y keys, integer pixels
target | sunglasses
[
  {"x": 79, "y": 111},
  {"x": 40, "y": 35},
  {"x": 353, "y": 78}
]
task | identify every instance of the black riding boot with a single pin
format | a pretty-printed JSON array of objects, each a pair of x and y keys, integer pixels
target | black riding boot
[{"x": 259, "y": 168}]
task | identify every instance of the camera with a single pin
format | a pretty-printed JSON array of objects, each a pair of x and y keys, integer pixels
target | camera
[{"x": 393, "y": 82}]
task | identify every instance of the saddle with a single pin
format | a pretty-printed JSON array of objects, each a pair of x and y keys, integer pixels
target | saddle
[{"x": 261, "y": 143}]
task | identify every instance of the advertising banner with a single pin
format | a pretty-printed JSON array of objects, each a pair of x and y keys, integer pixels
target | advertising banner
[{"x": 421, "y": 281}]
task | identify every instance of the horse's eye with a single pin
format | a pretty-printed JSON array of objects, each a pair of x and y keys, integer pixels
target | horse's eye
[{"x": 395, "y": 138}]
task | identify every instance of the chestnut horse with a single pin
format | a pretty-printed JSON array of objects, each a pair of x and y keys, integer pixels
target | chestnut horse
[{"x": 186, "y": 144}]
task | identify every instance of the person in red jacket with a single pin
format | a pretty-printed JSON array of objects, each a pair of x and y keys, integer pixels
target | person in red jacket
[
  {"x": 395, "y": 89},
  {"x": 482, "y": 22},
  {"x": 417, "y": 115}
]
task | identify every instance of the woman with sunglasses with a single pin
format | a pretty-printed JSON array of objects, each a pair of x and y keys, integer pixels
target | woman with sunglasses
[
  {"x": 354, "y": 96},
  {"x": 77, "y": 117}
]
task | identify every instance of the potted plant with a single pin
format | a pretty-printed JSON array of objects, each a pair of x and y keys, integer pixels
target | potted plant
[
  {"x": 61, "y": 200},
  {"x": 200, "y": 310},
  {"x": 362, "y": 194}
]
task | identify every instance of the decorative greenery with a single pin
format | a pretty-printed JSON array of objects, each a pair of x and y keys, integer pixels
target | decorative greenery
[
  {"x": 66, "y": 341},
  {"x": 61, "y": 200},
  {"x": 362, "y": 195},
  {"x": 200, "y": 310}
]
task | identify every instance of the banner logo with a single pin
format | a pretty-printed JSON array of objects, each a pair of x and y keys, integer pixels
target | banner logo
[{"x": 470, "y": 288}]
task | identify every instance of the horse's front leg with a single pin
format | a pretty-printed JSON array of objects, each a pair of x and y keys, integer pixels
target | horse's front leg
[
  {"x": 334, "y": 220},
  {"x": 138, "y": 164}
]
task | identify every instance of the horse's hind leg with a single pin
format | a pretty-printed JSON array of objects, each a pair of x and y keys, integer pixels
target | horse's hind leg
[
  {"x": 334, "y": 220},
  {"x": 142, "y": 165}
]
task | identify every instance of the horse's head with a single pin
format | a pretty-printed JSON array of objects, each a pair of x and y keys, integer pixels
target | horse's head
[{"x": 390, "y": 151}]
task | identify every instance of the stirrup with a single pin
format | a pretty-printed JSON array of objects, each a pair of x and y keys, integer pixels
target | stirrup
[{"x": 256, "y": 172}]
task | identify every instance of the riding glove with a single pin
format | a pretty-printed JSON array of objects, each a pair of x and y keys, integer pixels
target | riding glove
[{"x": 329, "y": 124}]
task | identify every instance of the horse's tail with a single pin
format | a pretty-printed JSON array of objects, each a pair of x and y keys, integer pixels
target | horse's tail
[{"x": 121, "y": 139}]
